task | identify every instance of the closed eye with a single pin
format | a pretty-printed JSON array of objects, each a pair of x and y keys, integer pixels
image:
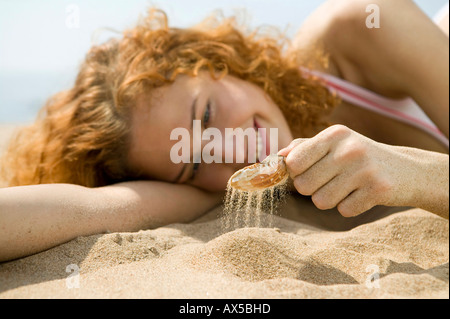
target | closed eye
[
  {"x": 207, "y": 114},
  {"x": 195, "y": 168},
  {"x": 205, "y": 120}
]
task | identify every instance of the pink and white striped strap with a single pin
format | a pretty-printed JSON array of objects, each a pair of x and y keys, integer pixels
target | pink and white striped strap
[{"x": 404, "y": 110}]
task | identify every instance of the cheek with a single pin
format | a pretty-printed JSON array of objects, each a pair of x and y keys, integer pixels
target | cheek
[
  {"x": 285, "y": 137},
  {"x": 234, "y": 106}
]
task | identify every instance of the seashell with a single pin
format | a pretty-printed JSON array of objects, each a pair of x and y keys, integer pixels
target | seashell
[{"x": 270, "y": 172}]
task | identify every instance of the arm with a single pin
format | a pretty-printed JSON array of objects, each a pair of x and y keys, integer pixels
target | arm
[
  {"x": 408, "y": 56},
  {"x": 38, "y": 217},
  {"x": 428, "y": 179},
  {"x": 341, "y": 168}
]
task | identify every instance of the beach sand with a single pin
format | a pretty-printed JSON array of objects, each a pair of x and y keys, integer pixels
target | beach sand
[{"x": 306, "y": 253}]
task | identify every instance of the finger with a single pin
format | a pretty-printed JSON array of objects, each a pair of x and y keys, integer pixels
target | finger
[
  {"x": 334, "y": 192},
  {"x": 355, "y": 204},
  {"x": 304, "y": 155},
  {"x": 316, "y": 176},
  {"x": 285, "y": 151}
]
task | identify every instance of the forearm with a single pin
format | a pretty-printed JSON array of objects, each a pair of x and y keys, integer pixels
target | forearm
[
  {"x": 435, "y": 188},
  {"x": 427, "y": 181},
  {"x": 143, "y": 204},
  {"x": 35, "y": 218}
]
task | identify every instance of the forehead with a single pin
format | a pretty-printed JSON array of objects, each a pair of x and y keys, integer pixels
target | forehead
[{"x": 153, "y": 119}]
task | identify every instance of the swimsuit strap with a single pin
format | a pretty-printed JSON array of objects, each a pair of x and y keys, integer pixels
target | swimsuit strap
[{"x": 404, "y": 110}]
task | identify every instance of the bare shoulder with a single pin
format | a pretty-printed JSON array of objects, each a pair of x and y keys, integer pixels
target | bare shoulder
[
  {"x": 374, "y": 42},
  {"x": 389, "y": 47},
  {"x": 373, "y": 21},
  {"x": 368, "y": 39},
  {"x": 342, "y": 27}
]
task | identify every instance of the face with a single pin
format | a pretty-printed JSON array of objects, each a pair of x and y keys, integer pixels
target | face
[{"x": 226, "y": 103}]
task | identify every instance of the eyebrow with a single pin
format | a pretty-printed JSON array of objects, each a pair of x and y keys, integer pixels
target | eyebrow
[{"x": 194, "y": 110}]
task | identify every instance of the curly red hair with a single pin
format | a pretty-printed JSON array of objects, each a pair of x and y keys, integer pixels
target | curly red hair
[{"x": 82, "y": 135}]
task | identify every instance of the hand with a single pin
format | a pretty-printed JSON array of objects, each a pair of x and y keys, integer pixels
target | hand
[{"x": 344, "y": 169}]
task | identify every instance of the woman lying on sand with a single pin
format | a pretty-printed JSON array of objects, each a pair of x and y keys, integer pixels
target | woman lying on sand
[{"x": 98, "y": 159}]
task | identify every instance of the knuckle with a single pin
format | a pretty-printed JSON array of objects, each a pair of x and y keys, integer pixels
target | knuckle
[
  {"x": 321, "y": 201},
  {"x": 290, "y": 160},
  {"x": 383, "y": 186},
  {"x": 370, "y": 172},
  {"x": 352, "y": 150},
  {"x": 302, "y": 186},
  {"x": 337, "y": 131},
  {"x": 355, "y": 206},
  {"x": 293, "y": 163},
  {"x": 346, "y": 209}
]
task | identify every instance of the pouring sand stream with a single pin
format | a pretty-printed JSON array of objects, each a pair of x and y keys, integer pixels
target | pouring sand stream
[{"x": 254, "y": 194}]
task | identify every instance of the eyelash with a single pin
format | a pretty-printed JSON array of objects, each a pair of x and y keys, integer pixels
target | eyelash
[
  {"x": 207, "y": 114},
  {"x": 195, "y": 169}
]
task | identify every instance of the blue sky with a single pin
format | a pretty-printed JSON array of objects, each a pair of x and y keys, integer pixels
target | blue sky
[{"x": 40, "y": 54}]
